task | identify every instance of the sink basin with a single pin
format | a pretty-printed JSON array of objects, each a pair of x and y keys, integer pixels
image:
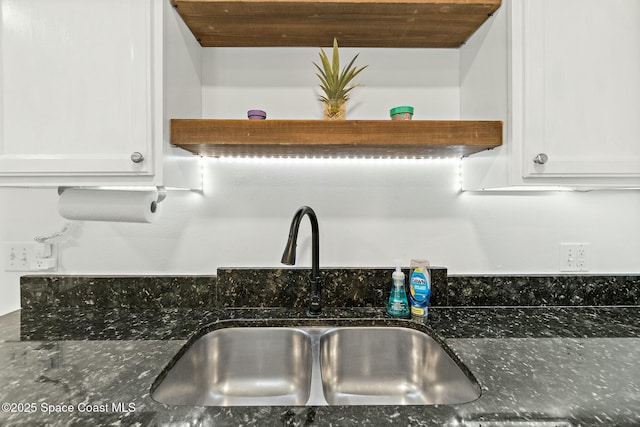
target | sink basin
[
  {"x": 241, "y": 367},
  {"x": 314, "y": 363},
  {"x": 390, "y": 366}
]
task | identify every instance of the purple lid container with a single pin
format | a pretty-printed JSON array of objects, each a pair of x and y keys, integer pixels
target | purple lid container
[{"x": 256, "y": 115}]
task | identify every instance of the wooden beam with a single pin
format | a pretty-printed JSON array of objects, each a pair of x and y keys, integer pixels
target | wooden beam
[
  {"x": 362, "y": 138},
  {"x": 355, "y": 23}
]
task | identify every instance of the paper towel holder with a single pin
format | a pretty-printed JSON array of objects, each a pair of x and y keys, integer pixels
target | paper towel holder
[{"x": 162, "y": 191}]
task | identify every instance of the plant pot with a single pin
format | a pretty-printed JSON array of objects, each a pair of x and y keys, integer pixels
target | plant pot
[{"x": 341, "y": 114}]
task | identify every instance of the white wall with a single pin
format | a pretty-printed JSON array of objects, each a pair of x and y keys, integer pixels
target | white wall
[
  {"x": 370, "y": 212},
  {"x": 282, "y": 81}
]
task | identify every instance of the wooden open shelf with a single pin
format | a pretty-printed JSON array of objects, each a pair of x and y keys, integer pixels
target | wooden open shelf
[
  {"x": 355, "y": 23},
  {"x": 328, "y": 138}
]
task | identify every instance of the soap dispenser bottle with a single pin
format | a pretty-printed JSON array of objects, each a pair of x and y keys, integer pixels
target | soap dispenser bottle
[{"x": 398, "y": 304}]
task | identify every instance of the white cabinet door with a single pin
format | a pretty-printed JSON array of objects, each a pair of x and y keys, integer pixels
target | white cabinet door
[
  {"x": 76, "y": 89},
  {"x": 582, "y": 88}
]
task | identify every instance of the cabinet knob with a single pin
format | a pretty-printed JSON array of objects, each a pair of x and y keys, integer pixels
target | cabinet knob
[
  {"x": 541, "y": 159},
  {"x": 137, "y": 157}
]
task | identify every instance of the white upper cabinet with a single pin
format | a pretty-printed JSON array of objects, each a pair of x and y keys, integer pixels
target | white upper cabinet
[
  {"x": 82, "y": 92},
  {"x": 582, "y": 82},
  {"x": 572, "y": 94}
]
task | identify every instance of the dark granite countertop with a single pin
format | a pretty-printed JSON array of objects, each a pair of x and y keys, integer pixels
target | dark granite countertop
[
  {"x": 573, "y": 363},
  {"x": 544, "y": 363}
]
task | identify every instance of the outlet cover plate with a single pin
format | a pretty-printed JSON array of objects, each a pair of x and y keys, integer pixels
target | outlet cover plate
[{"x": 574, "y": 257}]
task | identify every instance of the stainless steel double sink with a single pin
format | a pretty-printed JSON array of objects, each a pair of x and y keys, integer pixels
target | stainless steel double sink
[{"x": 294, "y": 364}]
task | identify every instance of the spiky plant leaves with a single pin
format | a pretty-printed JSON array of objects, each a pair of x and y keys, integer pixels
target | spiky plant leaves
[{"x": 334, "y": 81}]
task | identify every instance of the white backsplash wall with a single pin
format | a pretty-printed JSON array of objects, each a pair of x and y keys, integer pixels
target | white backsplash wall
[
  {"x": 369, "y": 212},
  {"x": 283, "y": 82}
]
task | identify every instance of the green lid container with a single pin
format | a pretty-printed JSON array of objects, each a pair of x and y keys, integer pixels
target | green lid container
[
  {"x": 402, "y": 109},
  {"x": 403, "y": 112}
]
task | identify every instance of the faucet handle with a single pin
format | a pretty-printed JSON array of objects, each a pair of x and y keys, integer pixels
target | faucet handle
[
  {"x": 315, "y": 298},
  {"x": 315, "y": 306}
]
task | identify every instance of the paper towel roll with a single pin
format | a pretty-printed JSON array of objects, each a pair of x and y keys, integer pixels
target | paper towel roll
[{"x": 108, "y": 205}]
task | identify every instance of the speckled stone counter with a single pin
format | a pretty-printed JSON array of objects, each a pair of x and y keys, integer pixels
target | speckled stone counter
[
  {"x": 546, "y": 363},
  {"x": 342, "y": 287}
]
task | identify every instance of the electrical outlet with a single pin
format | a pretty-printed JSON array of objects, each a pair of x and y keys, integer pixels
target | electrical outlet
[
  {"x": 30, "y": 256},
  {"x": 44, "y": 264},
  {"x": 574, "y": 257},
  {"x": 42, "y": 249}
]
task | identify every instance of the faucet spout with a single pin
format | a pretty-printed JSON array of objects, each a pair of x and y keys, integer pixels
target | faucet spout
[{"x": 289, "y": 256}]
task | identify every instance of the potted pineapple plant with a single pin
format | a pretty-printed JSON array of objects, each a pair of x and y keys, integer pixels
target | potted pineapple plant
[{"x": 335, "y": 83}]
